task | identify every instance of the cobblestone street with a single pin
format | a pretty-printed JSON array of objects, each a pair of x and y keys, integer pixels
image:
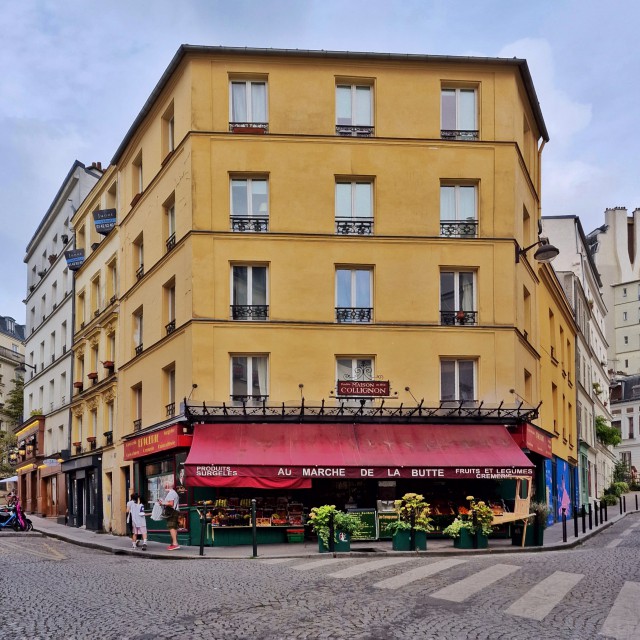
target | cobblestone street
[{"x": 72, "y": 592}]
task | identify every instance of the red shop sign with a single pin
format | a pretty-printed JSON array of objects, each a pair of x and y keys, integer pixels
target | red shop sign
[
  {"x": 146, "y": 445},
  {"x": 365, "y": 388},
  {"x": 530, "y": 437}
]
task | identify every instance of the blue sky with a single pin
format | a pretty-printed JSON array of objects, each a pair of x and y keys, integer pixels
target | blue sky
[{"x": 75, "y": 74}]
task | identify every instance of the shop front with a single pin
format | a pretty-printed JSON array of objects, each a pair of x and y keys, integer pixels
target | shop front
[
  {"x": 84, "y": 491},
  {"x": 30, "y": 436},
  {"x": 290, "y": 468},
  {"x": 537, "y": 444},
  {"x": 158, "y": 458}
]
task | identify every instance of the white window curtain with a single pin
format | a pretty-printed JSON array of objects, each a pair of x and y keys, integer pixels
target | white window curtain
[{"x": 238, "y": 102}]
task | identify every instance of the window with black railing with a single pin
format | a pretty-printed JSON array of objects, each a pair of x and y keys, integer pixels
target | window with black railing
[
  {"x": 354, "y": 314},
  {"x": 354, "y": 226},
  {"x": 355, "y": 131},
  {"x": 140, "y": 272},
  {"x": 139, "y": 349},
  {"x": 354, "y": 295},
  {"x": 354, "y": 110},
  {"x": 137, "y": 424},
  {"x": 459, "y": 134},
  {"x": 170, "y": 327},
  {"x": 459, "y": 228},
  {"x": 458, "y": 114},
  {"x": 457, "y": 298},
  {"x": 171, "y": 242},
  {"x": 250, "y": 205},
  {"x": 459, "y": 317},
  {"x": 250, "y": 311},
  {"x": 171, "y": 409}
]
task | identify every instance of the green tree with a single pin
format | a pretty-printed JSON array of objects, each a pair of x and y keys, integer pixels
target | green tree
[
  {"x": 606, "y": 434},
  {"x": 13, "y": 407},
  {"x": 7, "y": 444}
]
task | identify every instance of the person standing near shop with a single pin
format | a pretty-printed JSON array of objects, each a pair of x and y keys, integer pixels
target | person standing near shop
[
  {"x": 138, "y": 521},
  {"x": 171, "y": 504}
]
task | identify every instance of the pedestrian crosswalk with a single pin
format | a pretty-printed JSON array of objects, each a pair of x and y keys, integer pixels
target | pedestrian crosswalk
[{"x": 538, "y": 602}]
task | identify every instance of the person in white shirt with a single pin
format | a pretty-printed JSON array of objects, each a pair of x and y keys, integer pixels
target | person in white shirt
[
  {"x": 171, "y": 504},
  {"x": 135, "y": 514}
]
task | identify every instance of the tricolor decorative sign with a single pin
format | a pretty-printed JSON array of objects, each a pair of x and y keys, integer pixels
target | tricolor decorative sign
[
  {"x": 105, "y": 220},
  {"x": 75, "y": 258}
]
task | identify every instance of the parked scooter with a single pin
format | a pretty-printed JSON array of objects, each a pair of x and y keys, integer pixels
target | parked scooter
[{"x": 13, "y": 518}]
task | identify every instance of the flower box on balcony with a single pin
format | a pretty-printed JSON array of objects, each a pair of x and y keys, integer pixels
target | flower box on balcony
[
  {"x": 78, "y": 385},
  {"x": 91, "y": 438},
  {"x": 108, "y": 364},
  {"x": 77, "y": 444},
  {"x": 52, "y": 258},
  {"x": 93, "y": 375}
]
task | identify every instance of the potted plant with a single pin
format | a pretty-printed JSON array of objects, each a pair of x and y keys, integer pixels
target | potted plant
[
  {"x": 412, "y": 509},
  {"x": 536, "y": 524},
  {"x": 472, "y": 526},
  {"x": 344, "y": 525}
]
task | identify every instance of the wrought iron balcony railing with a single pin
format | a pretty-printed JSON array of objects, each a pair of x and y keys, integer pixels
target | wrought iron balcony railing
[
  {"x": 459, "y": 228},
  {"x": 459, "y": 134},
  {"x": 137, "y": 424},
  {"x": 140, "y": 272},
  {"x": 170, "y": 327},
  {"x": 354, "y": 226},
  {"x": 356, "y": 131},
  {"x": 171, "y": 242},
  {"x": 249, "y": 127},
  {"x": 459, "y": 317},
  {"x": 108, "y": 438},
  {"x": 244, "y": 224},
  {"x": 250, "y": 311},
  {"x": 139, "y": 349},
  {"x": 171, "y": 409},
  {"x": 354, "y": 314},
  {"x": 249, "y": 400}
]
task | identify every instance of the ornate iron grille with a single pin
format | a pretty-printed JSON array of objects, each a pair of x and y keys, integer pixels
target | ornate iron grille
[
  {"x": 459, "y": 229},
  {"x": 108, "y": 437},
  {"x": 459, "y": 134},
  {"x": 140, "y": 272},
  {"x": 354, "y": 226},
  {"x": 459, "y": 317},
  {"x": 353, "y": 314},
  {"x": 249, "y": 311},
  {"x": 249, "y": 127},
  {"x": 138, "y": 349},
  {"x": 357, "y": 131},
  {"x": 170, "y": 327},
  {"x": 171, "y": 409},
  {"x": 171, "y": 242},
  {"x": 243, "y": 224},
  {"x": 137, "y": 424}
]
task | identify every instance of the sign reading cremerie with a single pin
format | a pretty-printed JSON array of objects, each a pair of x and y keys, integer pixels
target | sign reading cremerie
[{"x": 365, "y": 388}]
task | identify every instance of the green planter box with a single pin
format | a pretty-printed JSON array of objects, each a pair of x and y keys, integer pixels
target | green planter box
[
  {"x": 533, "y": 538},
  {"x": 402, "y": 541},
  {"x": 466, "y": 541},
  {"x": 342, "y": 545}
]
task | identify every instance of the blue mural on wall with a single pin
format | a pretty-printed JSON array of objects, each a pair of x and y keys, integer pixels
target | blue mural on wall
[
  {"x": 563, "y": 488},
  {"x": 560, "y": 487},
  {"x": 549, "y": 494}
]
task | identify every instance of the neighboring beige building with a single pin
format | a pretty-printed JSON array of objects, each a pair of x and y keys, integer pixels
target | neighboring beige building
[{"x": 11, "y": 356}]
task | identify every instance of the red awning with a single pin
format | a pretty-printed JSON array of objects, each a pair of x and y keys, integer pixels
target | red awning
[{"x": 290, "y": 455}]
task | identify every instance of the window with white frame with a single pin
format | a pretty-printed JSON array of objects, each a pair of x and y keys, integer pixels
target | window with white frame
[
  {"x": 169, "y": 299},
  {"x": 249, "y": 378},
  {"x": 354, "y": 295},
  {"x": 354, "y": 207},
  {"x": 458, "y": 114},
  {"x": 354, "y": 370},
  {"x": 249, "y": 204},
  {"x": 458, "y": 210},
  {"x": 249, "y": 292},
  {"x": 248, "y": 106},
  {"x": 168, "y": 130},
  {"x": 138, "y": 322},
  {"x": 354, "y": 109},
  {"x": 137, "y": 406},
  {"x": 170, "y": 389},
  {"x": 457, "y": 298},
  {"x": 170, "y": 222},
  {"x": 457, "y": 380}
]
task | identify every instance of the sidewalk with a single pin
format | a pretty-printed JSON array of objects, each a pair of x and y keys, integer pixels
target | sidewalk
[{"x": 308, "y": 549}]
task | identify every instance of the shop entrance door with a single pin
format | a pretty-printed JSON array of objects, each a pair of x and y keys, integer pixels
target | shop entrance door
[{"x": 80, "y": 502}]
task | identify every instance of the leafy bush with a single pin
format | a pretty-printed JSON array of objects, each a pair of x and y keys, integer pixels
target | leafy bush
[
  {"x": 610, "y": 499},
  {"x": 319, "y": 519},
  {"x": 606, "y": 434},
  {"x": 622, "y": 486},
  {"x": 542, "y": 510},
  {"x": 481, "y": 523},
  {"x": 414, "y": 505}
]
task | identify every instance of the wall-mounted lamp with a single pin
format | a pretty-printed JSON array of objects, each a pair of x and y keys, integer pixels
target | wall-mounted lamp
[
  {"x": 22, "y": 367},
  {"x": 544, "y": 253},
  {"x": 194, "y": 386}
]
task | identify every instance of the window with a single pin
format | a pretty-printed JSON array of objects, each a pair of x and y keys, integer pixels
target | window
[
  {"x": 138, "y": 256},
  {"x": 137, "y": 331},
  {"x": 355, "y": 369},
  {"x": 457, "y": 303},
  {"x": 248, "y": 109},
  {"x": 168, "y": 135},
  {"x": 353, "y": 295},
  {"x": 169, "y": 291},
  {"x": 458, "y": 114},
  {"x": 112, "y": 280},
  {"x": 80, "y": 310},
  {"x": 95, "y": 295},
  {"x": 137, "y": 406},
  {"x": 249, "y": 204},
  {"x": 354, "y": 208},
  {"x": 458, "y": 211},
  {"x": 249, "y": 293},
  {"x": 109, "y": 416},
  {"x": 626, "y": 339},
  {"x": 527, "y": 312},
  {"x": 624, "y": 292},
  {"x": 136, "y": 178},
  {"x": 170, "y": 222},
  {"x": 354, "y": 110},
  {"x": 457, "y": 380},
  {"x": 249, "y": 378},
  {"x": 631, "y": 432},
  {"x": 624, "y": 315},
  {"x": 170, "y": 389}
]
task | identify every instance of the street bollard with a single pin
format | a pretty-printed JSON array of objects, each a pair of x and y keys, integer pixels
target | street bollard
[
  {"x": 636, "y": 501},
  {"x": 575, "y": 520},
  {"x": 595, "y": 509},
  {"x": 583, "y": 515},
  {"x": 590, "y": 518},
  {"x": 412, "y": 532},
  {"x": 603, "y": 504},
  {"x": 254, "y": 528},
  {"x": 624, "y": 503},
  {"x": 620, "y": 499},
  {"x": 203, "y": 528},
  {"x": 332, "y": 542},
  {"x": 564, "y": 525}
]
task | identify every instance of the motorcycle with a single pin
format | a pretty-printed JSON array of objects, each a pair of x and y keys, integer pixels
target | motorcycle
[{"x": 12, "y": 517}]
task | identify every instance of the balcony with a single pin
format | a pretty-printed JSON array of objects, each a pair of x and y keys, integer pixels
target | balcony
[
  {"x": 171, "y": 242},
  {"x": 354, "y": 226},
  {"x": 108, "y": 438},
  {"x": 137, "y": 424},
  {"x": 170, "y": 327},
  {"x": 92, "y": 442},
  {"x": 354, "y": 314},
  {"x": 254, "y": 128},
  {"x": 459, "y": 134},
  {"x": 460, "y": 317},
  {"x": 171, "y": 409},
  {"x": 354, "y": 131},
  {"x": 249, "y": 400},
  {"x": 140, "y": 272},
  {"x": 459, "y": 229},
  {"x": 250, "y": 311},
  {"x": 244, "y": 224},
  {"x": 139, "y": 349}
]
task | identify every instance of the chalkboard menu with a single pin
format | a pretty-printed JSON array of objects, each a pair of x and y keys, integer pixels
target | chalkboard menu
[
  {"x": 369, "y": 526},
  {"x": 384, "y": 518}
]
